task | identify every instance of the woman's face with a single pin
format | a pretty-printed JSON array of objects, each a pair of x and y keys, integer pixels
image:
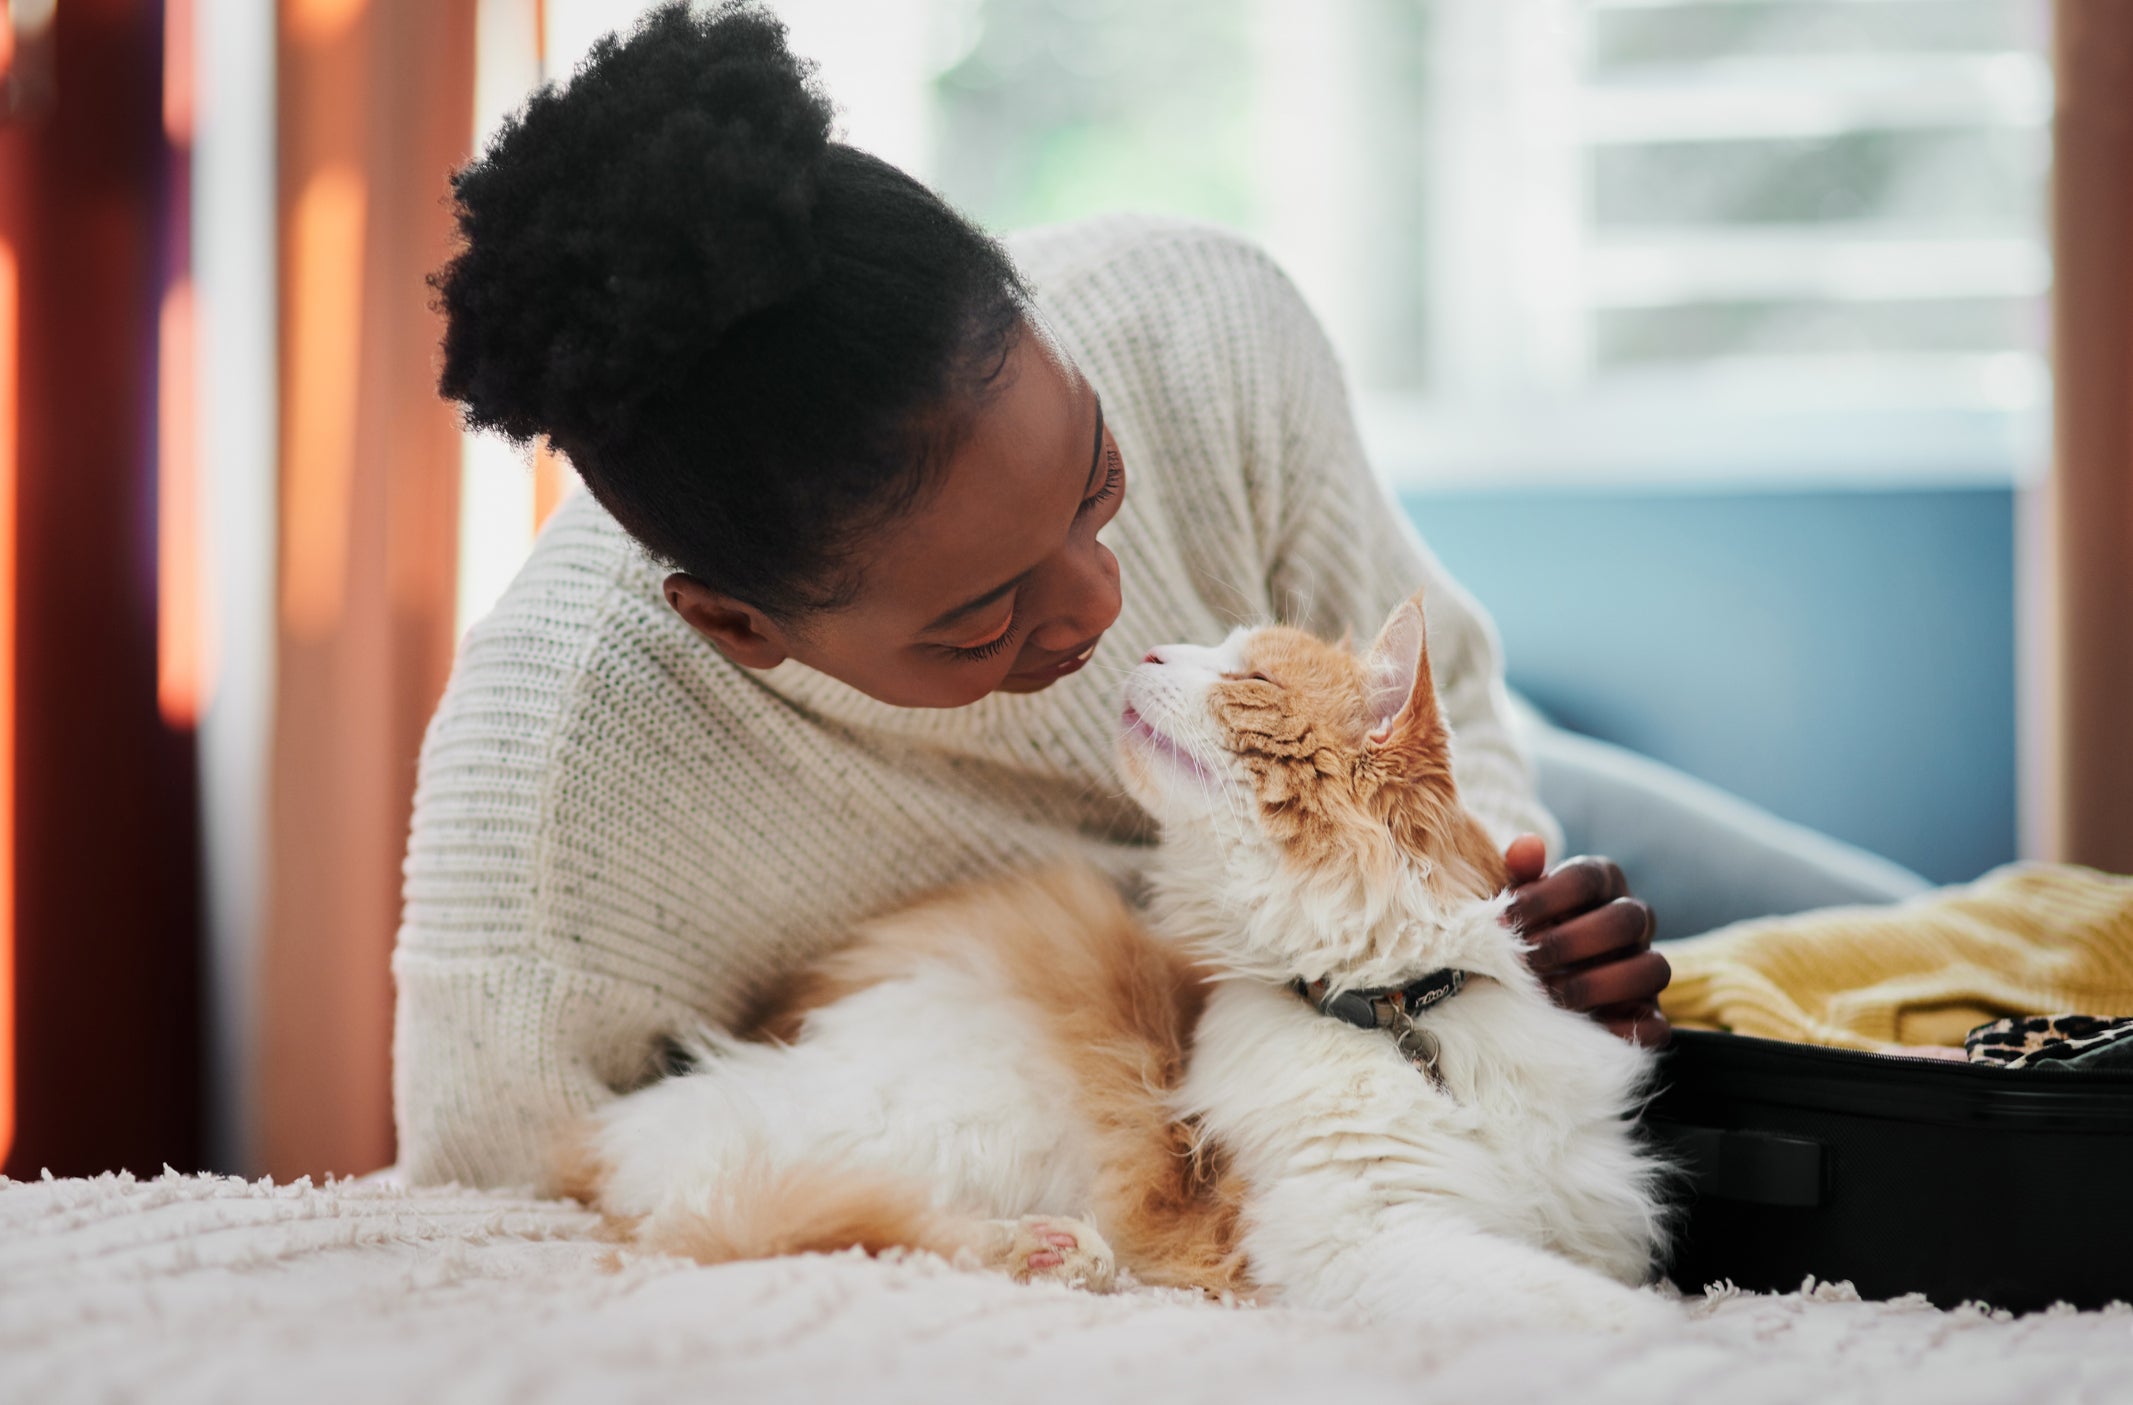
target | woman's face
[{"x": 995, "y": 581}]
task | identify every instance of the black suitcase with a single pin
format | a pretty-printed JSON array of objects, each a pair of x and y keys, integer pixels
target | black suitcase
[{"x": 2012, "y": 1187}]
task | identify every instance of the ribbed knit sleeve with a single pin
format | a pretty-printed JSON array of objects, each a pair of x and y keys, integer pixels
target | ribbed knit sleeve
[{"x": 501, "y": 1033}]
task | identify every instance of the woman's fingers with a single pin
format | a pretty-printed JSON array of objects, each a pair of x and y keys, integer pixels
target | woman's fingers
[
  {"x": 1631, "y": 980},
  {"x": 1624, "y": 925},
  {"x": 1574, "y": 886},
  {"x": 1592, "y": 944},
  {"x": 1642, "y": 1024},
  {"x": 1527, "y": 858}
]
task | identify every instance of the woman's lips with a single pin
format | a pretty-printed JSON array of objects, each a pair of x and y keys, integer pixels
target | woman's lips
[{"x": 1061, "y": 669}]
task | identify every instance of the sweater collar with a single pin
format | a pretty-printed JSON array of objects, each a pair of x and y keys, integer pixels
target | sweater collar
[{"x": 994, "y": 718}]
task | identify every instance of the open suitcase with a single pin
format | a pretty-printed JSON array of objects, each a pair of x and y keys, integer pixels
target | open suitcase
[{"x": 1963, "y": 1182}]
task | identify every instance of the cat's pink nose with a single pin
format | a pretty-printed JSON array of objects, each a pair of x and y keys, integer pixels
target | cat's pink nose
[{"x": 1152, "y": 656}]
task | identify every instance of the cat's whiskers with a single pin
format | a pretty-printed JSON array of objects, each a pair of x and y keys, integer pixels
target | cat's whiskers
[{"x": 1222, "y": 586}]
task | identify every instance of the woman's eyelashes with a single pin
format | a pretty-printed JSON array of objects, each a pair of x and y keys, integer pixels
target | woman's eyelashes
[
  {"x": 1114, "y": 471},
  {"x": 988, "y": 649}
]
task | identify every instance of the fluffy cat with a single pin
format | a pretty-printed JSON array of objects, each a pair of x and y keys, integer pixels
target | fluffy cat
[{"x": 1025, "y": 1075}]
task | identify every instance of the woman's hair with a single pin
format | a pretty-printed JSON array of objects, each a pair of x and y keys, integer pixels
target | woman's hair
[{"x": 754, "y": 343}]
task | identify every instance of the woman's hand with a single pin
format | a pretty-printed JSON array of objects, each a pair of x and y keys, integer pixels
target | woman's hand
[{"x": 1592, "y": 941}]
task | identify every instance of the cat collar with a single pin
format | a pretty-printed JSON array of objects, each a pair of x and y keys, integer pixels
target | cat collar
[{"x": 1392, "y": 1009}]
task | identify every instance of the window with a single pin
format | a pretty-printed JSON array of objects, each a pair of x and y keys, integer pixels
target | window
[
  {"x": 1579, "y": 238},
  {"x": 1575, "y": 240}
]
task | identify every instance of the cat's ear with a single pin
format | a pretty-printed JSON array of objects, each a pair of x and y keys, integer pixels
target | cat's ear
[{"x": 1402, "y": 700}]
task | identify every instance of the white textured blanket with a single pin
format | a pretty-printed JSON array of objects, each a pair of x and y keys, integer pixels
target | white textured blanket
[{"x": 198, "y": 1288}]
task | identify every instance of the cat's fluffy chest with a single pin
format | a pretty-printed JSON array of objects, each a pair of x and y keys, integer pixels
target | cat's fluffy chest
[{"x": 1522, "y": 1131}]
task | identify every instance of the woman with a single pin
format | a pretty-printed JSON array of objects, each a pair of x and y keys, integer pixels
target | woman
[{"x": 841, "y": 617}]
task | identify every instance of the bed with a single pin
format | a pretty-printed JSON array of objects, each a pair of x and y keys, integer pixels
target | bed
[{"x": 187, "y": 1288}]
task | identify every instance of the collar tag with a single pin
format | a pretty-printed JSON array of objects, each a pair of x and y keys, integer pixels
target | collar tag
[{"x": 1392, "y": 1009}]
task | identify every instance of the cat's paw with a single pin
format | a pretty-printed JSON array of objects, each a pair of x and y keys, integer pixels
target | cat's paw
[{"x": 1053, "y": 1248}]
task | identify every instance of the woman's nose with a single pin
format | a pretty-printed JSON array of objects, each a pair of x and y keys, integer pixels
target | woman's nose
[{"x": 1088, "y": 605}]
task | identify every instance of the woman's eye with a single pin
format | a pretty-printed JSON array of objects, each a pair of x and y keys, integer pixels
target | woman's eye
[
  {"x": 1112, "y": 472},
  {"x": 989, "y": 648}
]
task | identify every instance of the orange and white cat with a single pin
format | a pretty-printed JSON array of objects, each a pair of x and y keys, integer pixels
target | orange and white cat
[{"x": 1026, "y": 1074}]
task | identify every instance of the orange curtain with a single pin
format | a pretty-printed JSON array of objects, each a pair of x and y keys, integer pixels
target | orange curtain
[
  {"x": 2092, "y": 215},
  {"x": 376, "y": 108}
]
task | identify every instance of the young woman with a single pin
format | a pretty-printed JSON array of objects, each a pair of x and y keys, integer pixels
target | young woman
[{"x": 877, "y": 512}]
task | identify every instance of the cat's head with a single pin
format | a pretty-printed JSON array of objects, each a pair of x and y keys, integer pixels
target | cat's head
[{"x": 1311, "y": 826}]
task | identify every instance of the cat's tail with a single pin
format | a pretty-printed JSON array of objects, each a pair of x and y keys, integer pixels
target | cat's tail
[{"x": 757, "y": 1211}]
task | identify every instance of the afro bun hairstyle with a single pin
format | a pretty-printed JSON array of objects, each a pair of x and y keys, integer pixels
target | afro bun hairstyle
[{"x": 753, "y": 342}]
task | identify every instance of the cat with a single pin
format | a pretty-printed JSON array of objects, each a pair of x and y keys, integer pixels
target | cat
[{"x": 1317, "y": 1072}]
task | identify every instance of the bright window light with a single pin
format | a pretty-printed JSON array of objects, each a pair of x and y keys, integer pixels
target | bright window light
[{"x": 1721, "y": 241}]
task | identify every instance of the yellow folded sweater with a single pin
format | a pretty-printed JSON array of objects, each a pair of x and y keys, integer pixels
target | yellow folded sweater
[{"x": 2028, "y": 939}]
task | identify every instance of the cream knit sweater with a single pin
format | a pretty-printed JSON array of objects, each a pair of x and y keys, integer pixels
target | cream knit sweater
[{"x": 619, "y": 834}]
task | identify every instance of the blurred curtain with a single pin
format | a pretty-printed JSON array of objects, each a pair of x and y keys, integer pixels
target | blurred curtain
[
  {"x": 2092, "y": 217},
  {"x": 104, "y": 910},
  {"x": 376, "y": 108}
]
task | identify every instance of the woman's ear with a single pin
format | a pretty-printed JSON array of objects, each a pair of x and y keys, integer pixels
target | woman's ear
[{"x": 736, "y": 629}]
